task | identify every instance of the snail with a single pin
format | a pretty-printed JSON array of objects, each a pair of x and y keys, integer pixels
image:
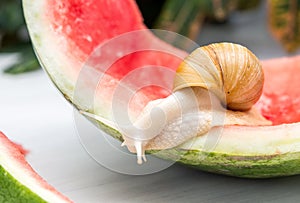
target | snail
[{"x": 215, "y": 85}]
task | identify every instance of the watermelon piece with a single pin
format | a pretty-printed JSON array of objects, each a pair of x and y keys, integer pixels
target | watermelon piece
[
  {"x": 18, "y": 181},
  {"x": 65, "y": 33}
]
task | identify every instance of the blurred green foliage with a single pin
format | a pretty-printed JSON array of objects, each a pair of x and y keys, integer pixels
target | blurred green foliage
[
  {"x": 187, "y": 17},
  {"x": 14, "y": 37},
  {"x": 11, "y": 17},
  {"x": 284, "y": 21}
]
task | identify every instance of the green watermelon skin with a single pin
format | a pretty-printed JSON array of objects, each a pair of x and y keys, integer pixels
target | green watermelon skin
[
  {"x": 265, "y": 166},
  {"x": 14, "y": 191}
]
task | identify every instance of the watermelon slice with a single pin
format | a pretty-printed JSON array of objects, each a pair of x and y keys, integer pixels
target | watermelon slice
[
  {"x": 65, "y": 33},
  {"x": 18, "y": 181}
]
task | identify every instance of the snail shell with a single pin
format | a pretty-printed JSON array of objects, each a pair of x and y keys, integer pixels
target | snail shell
[{"x": 230, "y": 71}]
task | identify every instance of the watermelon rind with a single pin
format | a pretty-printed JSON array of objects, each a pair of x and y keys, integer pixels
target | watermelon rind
[
  {"x": 18, "y": 181},
  {"x": 249, "y": 152}
]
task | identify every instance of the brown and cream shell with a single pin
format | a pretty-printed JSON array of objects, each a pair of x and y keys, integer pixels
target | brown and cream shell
[{"x": 230, "y": 71}]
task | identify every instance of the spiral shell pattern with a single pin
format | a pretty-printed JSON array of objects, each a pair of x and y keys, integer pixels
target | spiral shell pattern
[{"x": 230, "y": 71}]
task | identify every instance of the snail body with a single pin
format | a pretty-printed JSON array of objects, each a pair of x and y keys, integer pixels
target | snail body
[{"x": 215, "y": 85}]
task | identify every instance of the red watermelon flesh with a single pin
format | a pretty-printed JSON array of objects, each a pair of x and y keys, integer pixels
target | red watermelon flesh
[
  {"x": 21, "y": 149},
  {"x": 280, "y": 102},
  {"x": 90, "y": 23}
]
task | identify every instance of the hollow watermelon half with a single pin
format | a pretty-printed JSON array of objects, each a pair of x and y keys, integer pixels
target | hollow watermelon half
[
  {"x": 18, "y": 181},
  {"x": 64, "y": 33}
]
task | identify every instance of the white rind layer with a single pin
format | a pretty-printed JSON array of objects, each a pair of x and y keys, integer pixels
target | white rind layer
[{"x": 250, "y": 141}]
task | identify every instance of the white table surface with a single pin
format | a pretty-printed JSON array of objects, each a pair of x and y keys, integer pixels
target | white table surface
[{"x": 35, "y": 115}]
